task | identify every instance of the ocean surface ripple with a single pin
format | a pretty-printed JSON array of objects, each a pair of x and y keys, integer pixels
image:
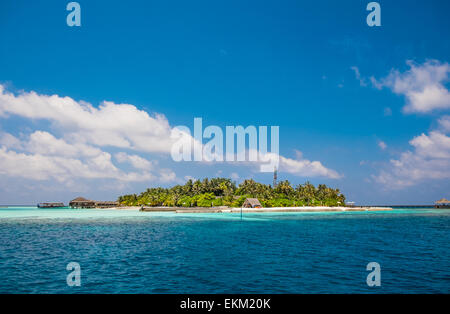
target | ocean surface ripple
[{"x": 220, "y": 253}]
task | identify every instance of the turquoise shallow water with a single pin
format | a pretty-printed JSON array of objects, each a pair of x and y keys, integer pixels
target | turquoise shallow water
[{"x": 134, "y": 252}]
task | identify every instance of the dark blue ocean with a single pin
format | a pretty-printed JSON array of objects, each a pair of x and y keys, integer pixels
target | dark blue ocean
[{"x": 132, "y": 252}]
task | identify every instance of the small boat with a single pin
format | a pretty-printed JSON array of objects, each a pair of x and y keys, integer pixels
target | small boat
[{"x": 50, "y": 205}]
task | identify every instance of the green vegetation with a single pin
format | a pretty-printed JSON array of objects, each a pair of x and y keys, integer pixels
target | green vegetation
[{"x": 223, "y": 192}]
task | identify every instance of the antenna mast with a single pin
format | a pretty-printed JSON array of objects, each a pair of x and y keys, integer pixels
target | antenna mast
[{"x": 275, "y": 176}]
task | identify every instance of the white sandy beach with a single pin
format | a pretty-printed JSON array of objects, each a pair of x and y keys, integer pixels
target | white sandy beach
[
  {"x": 258, "y": 210},
  {"x": 309, "y": 209}
]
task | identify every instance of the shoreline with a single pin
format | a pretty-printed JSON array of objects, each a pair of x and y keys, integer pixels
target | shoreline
[{"x": 306, "y": 209}]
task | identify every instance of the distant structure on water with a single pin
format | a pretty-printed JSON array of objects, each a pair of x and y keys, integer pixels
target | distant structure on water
[
  {"x": 50, "y": 205},
  {"x": 443, "y": 203},
  {"x": 81, "y": 202}
]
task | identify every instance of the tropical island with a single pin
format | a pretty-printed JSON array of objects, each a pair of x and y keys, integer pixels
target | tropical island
[
  {"x": 222, "y": 195},
  {"x": 217, "y": 192}
]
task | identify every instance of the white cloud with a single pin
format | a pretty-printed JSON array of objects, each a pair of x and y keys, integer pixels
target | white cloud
[
  {"x": 234, "y": 176},
  {"x": 444, "y": 123},
  {"x": 167, "y": 175},
  {"x": 86, "y": 132},
  {"x": 430, "y": 159},
  {"x": 187, "y": 178},
  {"x": 45, "y": 143},
  {"x": 298, "y": 154},
  {"x": 299, "y": 166},
  {"x": 422, "y": 85},
  {"x": 64, "y": 169},
  {"x": 382, "y": 144},
  {"x": 116, "y": 125},
  {"x": 306, "y": 168},
  {"x": 41, "y": 167},
  {"x": 10, "y": 141},
  {"x": 361, "y": 80},
  {"x": 44, "y": 157},
  {"x": 434, "y": 145},
  {"x": 135, "y": 160}
]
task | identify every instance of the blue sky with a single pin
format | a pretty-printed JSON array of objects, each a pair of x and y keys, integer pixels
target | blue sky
[{"x": 286, "y": 63}]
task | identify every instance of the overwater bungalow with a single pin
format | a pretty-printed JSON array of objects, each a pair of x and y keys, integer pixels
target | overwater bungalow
[
  {"x": 50, "y": 205},
  {"x": 81, "y": 202},
  {"x": 252, "y": 203},
  {"x": 443, "y": 203},
  {"x": 106, "y": 204}
]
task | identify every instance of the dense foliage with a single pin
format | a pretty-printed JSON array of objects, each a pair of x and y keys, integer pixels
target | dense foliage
[{"x": 223, "y": 192}]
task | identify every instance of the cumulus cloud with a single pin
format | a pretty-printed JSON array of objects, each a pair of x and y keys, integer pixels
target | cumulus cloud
[
  {"x": 135, "y": 160},
  {"x": 429, "y": 159},
  {"x": 45, "y": 143},
  {"x": 306, "y": 168},
  {"x": 65, "y": 167},
  {"x": 116, "y": 125},
  {"x": 422, "y": 85},
  {"x": 444, "y": 123},
  {"x": 425, "y": 91},
  {"x": 41, "y": 167},
  {"x": 86, "y": 133},
  {"x": 10, "y": 141},
  {"x": 301, "y": 166},
  {"x": 43, "y": 157},
  {"x": 434, "y": 145},
  {"x": 167, "y": 175}
]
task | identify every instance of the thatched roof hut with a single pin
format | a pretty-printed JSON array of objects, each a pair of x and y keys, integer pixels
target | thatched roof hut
[
  {"x": 50, "y": 205},
  {"x": 81, "y": 202},
  {"x": 443, "y": 203},
  {"x": 252, "y": 203},
  {"x": 107, "y": 204}
]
